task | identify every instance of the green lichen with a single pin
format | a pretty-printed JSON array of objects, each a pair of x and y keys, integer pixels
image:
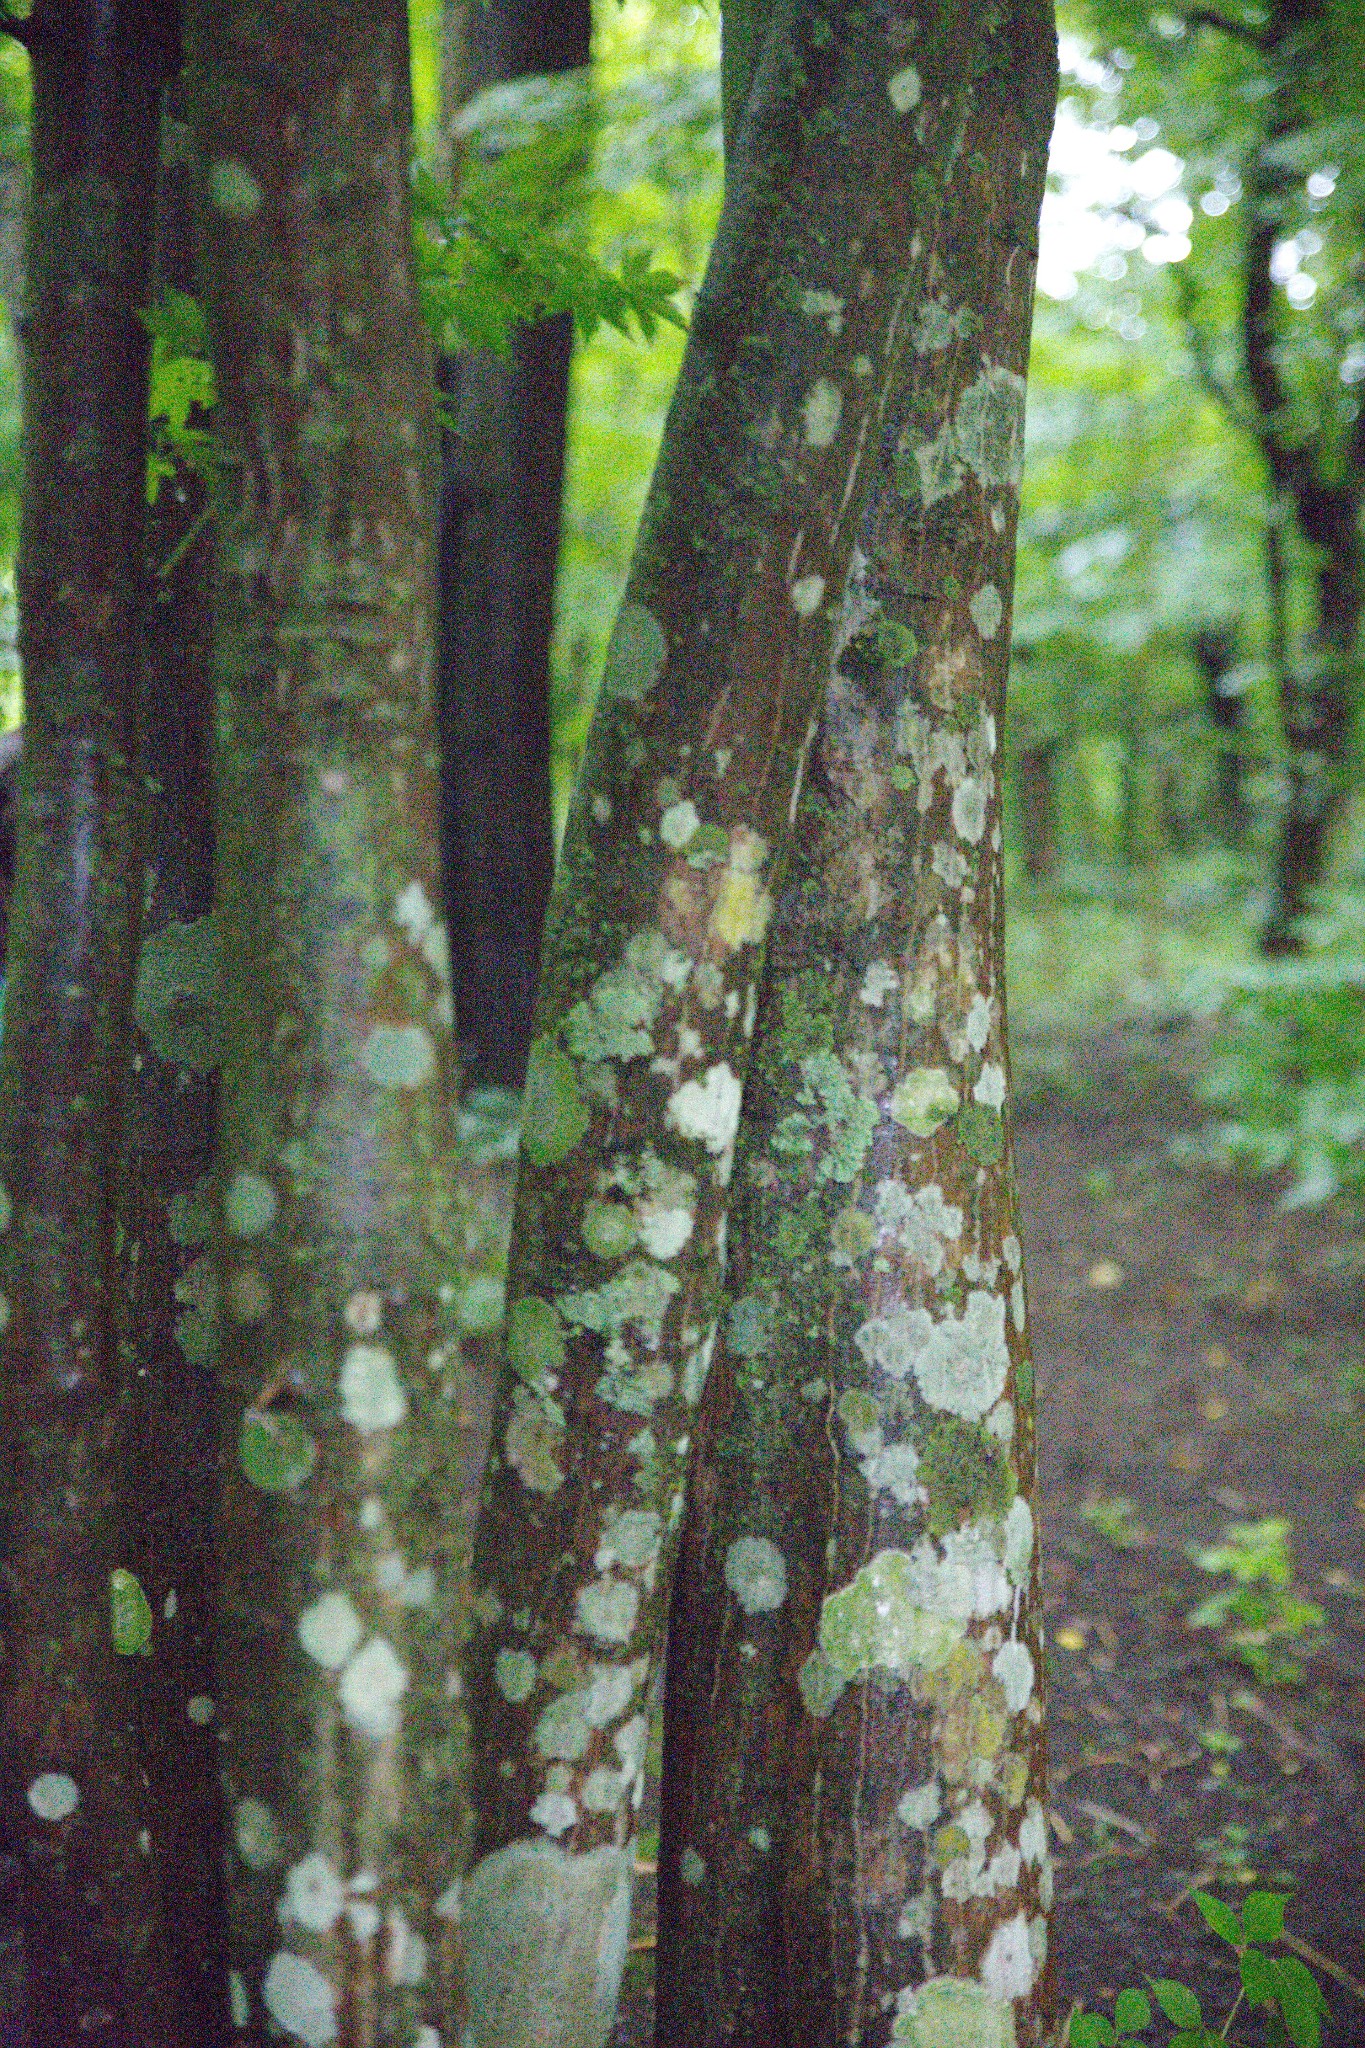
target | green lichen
[
  {"x": 543, "y": 1935},
  {"x": 514, "y": 1674},
  {"x": 175, "y": 1001},
  {"x": 809, "y": 1002},
  {"x": 895, "y": 643},
  {"x": 821, "y": 1684},
  {"x": 876, "y": 1624},
  {"x": 276, "y": 1452},
  {"x": 130, "y": 1614},
  {"x": 535, "y": 1342},
  {"x": 851, "y": 1237},
  {"x": 953, "y": 2012},
  {"x": 636, "y": 654},
  {"x": 233, "y": 190},
  {"x": 617, "y": 1020},
  {"x": 554, "y": 1114},
  {"x": 924, "y": 1099},
  {"x": 1023, "y": 1380},
  {"x": 637, "y": 1297},
  {"x": 981, "y": 1133},
  {"x": 608, "y": 1229},
  {"x": 749, "y": 1326},
  {"x": 849, "y": 1118},
  {"x": 966, "y": 1473}
]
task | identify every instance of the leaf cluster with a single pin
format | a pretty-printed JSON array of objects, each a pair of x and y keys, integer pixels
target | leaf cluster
[{"x": 1280, "y": 1988}]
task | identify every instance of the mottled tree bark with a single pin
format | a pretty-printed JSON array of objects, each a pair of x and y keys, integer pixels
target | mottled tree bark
[
  {"x": 168, "y": 1291},
  {"x": 854, "y": 1847},
  {"x": 502, "y": 478},
  {"x": 339, "y": 1524},
  {"x": 75, "y": 1810},
  {"x": 1325, "y": 485},
  {"x": 652, "y": 954}
]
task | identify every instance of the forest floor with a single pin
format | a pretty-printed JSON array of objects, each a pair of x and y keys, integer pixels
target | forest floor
[{"x": 1200, "y": 1360}]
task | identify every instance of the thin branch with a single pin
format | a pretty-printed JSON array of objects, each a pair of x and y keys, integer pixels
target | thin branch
[
  {"x": 21, "y": 26},
  {"x": 1209, "y": 17}
]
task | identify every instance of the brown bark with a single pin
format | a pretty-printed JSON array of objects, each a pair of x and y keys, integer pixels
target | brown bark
[
  {"x": 652, "y": 954},
  {"x": 853, "y": 1844},
  {"x": 75, "y": 1810}
]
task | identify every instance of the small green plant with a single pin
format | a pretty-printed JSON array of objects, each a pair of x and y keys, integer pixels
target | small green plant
[
  {"x": 1280, "y": 1988},
  {"x": 1116, "y": 1519},
  {"x": 1258, "y": 1614}
]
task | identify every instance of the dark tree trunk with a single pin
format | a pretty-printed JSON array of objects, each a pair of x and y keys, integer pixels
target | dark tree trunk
[
  {"x": 168, "y": 1291},
  {"x": 76, "y": 1812},
  {"x": 1037, "y": 773},
  {"x": 1215, "y": 653},
  {"x": 502, "y": 476}
]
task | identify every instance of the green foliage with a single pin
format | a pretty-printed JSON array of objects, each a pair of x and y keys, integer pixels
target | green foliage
[
  {"x": 1258, "y": 1614},
  {"x": 1116, "y": 1519},
  {"x": 130, "y": 1615},
  {"x": 181, "y": 391},
  {"x": 1288, "y": 1066},
  {"x": 1278, "y": 1987}
]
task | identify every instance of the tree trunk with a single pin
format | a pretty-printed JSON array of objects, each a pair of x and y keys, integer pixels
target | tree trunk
[
  {"x": 1215, "y": 653},
  {"x": 168, "y": 1294},
  {"x": 77, "y": 1815},
  {"x": 340, "y": 1531},
  {"x": 854, "y": 1846},
  {"x": 502, "y": 476},
  {"x": 652, "y": 955},
  {"x": 1038, "y": 809}
]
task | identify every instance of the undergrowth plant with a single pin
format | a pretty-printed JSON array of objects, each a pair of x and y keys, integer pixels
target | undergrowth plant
[
  {"x": 1259, "y": 1613},
  {"x": 1280, "y": 1990}
]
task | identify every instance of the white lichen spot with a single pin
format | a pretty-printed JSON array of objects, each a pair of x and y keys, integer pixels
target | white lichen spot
[
  {"x": 987, "y": 611},
  {"x": 256, "y": 1834},
  {"x": 919, "y": 1807},
  {"x": 903, "y": 89},
  {"x": 806, "y": 595},
  {"x": 606, "y": 1610},
  {"x": 1007, "y": 1968},
  {"x": 631, "y": 1540},
  {"x": 514, "y": 1674},
  {"x": 953, "y": 2012},
  {"x": 822, "y": 409},
  {"x": 963, "y": 1366},
  {"x": 679, "y": 824},
  {"x": 54, "y": 1795},
  {"x": 372, "y": 1685},
  {"x": 406, "y": 1961},
  {"x": 314, "y": 1894},
  {"x": 1018, "y": 1528},
  {"x": 949, "y": 865},
  {"x": 1012, "y": 1252},
  {"x": 861, "y": 366},
  {"x": 878, "y": 983},
  {"x": 1000, "y": 1422},
  {"x": 370, "y": 1513},
  {"x": 756, "y": 1573},
  {"x": 371, "y": 1393},
  {"x": 894, "y": 1341},
  {"x": 969, "y": 809},
  {"x": 364, "y": 1311},
  {"x": 427, "y": 2037},
  {"x": 364, "y": 1918},
  {"x": 414, "y": 913},
  {"x": 978, "y": 1026},
  {"x": 1017, "y": 1309},
  {"x": 707, "y": 1109},
  {"x": 1033, "y": 1833},
  {"x": 601, "y": 808},
  {"x": 605, "y": 1790},
  {"x": 609, "y": 1693},
  {"x": 893, "y": 1469},
  {"x": 990, "y": 1086},
  {"x": 199, "y": 1708},
  {"x": 1013, "y": 1667},
  {"x": 300, "y": 2000},
  {"x": 693, "y": 1867},
  {"x": 922, "y": 1223},
  {"x": 663, "y": 1232},
  {"x": 826, "y": 306},
  {"x": 250, "y": 1205},
  {"x": 239, "y": 1999},
  {"x": 330, "y": 1630},
  {"x": 556, "y": 1812},
  {"x": 399, "y": 1055}
]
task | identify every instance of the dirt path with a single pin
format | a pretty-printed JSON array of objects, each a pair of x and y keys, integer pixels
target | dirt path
[{"x": 1192, "y": 1345}]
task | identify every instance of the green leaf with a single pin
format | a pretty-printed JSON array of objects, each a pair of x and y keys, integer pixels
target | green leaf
[
  {"x": 1090, "y": 2030},
  {"x": 1263, "y": 1915},
  {"x": 276, "y": 1451},
  {"x": 1220, "y": 1918},
  {"x": 1301, "y": 2001},
  {"x": 1259, "y": 1977},
  {"x": 554, "y": 1114},
  {"x": 1177, "y": 2001},
  {"x": 130, "y": 1614},
  {"x": 1132, "y": 2012}
]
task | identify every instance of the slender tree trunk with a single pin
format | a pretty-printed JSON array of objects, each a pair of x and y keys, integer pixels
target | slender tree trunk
[
  {"x": 502, "y": 478},
  {"x": 76, "y": 1812},
  {"x": 653, "y": 949},
  {"x": 168, "y": 1291},
  {"x": 1324, "y": 483},
  {"x": 854, "y": 1846},
  {"x": 340, "y": 1529}
]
